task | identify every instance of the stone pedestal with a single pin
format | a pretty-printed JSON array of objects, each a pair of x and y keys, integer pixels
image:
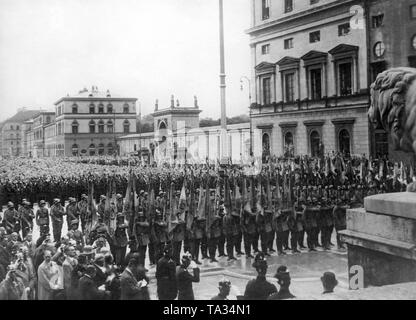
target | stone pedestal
[{"x": 381, "y": 238}]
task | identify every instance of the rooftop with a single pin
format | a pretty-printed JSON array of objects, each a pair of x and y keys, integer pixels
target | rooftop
[
  {"x": 21, "y": 116},
  {"x": 93, "y": 93}
]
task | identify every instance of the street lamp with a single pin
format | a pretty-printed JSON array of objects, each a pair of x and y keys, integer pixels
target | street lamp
[{"x": 249, "y": 109}]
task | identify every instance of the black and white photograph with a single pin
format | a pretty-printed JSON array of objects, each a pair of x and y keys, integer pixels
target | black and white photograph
[{"x": 208, "y": 150}]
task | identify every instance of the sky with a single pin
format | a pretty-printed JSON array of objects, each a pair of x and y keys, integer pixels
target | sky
[{"x": 136, "y": 48}]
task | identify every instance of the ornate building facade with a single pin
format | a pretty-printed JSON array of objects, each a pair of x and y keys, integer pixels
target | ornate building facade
[
  {"x": 90, "y": 122},
  {"x": 309, "y": 67}
]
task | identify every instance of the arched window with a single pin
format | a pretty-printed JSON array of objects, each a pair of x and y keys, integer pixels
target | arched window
[
  {"x": 92, "y": 108},
  {"x": 101, "y": 149},
  {"x": 74, "y": 108},
  {"x": 11, "y": 127},
  {"x": 75, "y": 127},
  {"x": 289, "y": 151},
  {"x": 126, "y": 126},
  {"x": 92, "y": 149},
  {"x": 344, "y": 142},
  {"x": 17, "y": 127},
  {"x": 315, "y": 140},
  {"x": 162, "y": 125},
  {"x": 75, "y": 150},
  {"x": 110, "y": 108},
  {"x": 266, "y": 147},
  {"x": 48, "y": 119},
  {"x": 110, "y": 126},
  {"x": 110, "y": 148},
  {"x": 101, "y": 126},
  {"x": 100, "y": 108},
  {"x": 92, "y": 126},
  {"x": 126, "y": 108}
]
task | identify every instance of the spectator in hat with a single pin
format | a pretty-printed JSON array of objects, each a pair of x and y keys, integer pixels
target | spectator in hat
[
  {"x": 259, "y": 288},
  {"x": 185, "y": 278},
  {"x": 100, "y": 275},
  {"x": 283, "y": 279},
  {"x": 329, "y": 282},
  {"x": 12, "y": 287},
  {"x": 224, "y": 287}
]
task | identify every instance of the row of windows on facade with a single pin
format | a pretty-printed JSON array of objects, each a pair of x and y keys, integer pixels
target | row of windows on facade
[
  {"x": 376, "y": 20},
  {"x": 315, "y": 36},
  {"x": 315, "y": 145},
  {"x": 315, "y": 83},
  {"x": 12, "y": 127},
  {"x": 101, "y": 126},
  {"x": 92, "y": 109}
]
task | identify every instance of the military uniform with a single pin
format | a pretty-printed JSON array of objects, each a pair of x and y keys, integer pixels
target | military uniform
[
  {"x": 326, "y": 223},
  {"x": 160, "y": 228},
  {"x": 340, "y": 221},
  {"x": 120, "y": 242},
  {"x": 230, "y": 232},
  {"x": 281, "y": 227},
  {"x": 11, "y": 220},
  {"x": 72, "y": 212},
  {"x": 249, "y": 231},
  {"x": 83, "y": 211},
  {"x": 310, "y": 226},
  {"x": 142, "y": 233},
  {"x": 213, "y": 236},
  {"x": 42, "y": 217},
  {"x": 57, "y": 217},
  {"x": 178, "y": 236},
  {"x": 259, "y": 289},
  {"x": 293, "y": 228},
  {"x": 27, "y": 217},
  {"x": 264, "y": 228},
  {"x": 198, "y": 231}
]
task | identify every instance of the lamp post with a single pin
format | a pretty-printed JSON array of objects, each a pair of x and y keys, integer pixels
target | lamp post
[{"x": 249, "y": 109}]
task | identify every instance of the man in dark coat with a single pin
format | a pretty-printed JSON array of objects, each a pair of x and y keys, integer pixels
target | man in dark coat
[
  {"x": 142, "y": 233},
  {"x": 26, "y": 217},
  {"x": 259, "y": 288},
  {"x": 185, "y": 279},
  {"x": 131, "y": 289},
  {"x": 11, "y": 218},
  {"x": 166, "y": 276},
  {"x": 88, "y": 289}
]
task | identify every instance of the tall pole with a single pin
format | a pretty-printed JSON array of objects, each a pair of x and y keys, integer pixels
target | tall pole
[
  {"x": 224, "y": 150},
  {"x": 140, "y": 130},
  {"x": 249, "y": 109}
]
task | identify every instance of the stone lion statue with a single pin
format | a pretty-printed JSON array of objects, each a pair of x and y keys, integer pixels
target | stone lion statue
[{"x": 393, "y": 107}]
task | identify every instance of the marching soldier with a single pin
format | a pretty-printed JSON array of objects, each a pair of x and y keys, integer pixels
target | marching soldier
[
  {"x": 120, "y": 240},
  {"x": 300, "y": 224},
  {"x": 213, "y": 236},
  {"x": 261, "y": 229},
  {"x": 198, "y": 231},
  {"x": 142, "y": 234},
  {"x": 278, "y": 221},
  {"x": 230, "y": 232},
  {"x": 11, "y": 219},
  {"x": 249, "y": 230},
  {"x": 57, "y": 217},
  {"x": 161, "y": 234},
  {"x": 83, "y": 210},
  {"x": 71, "y": 212},
  {"x": 310, "y": 223},
  {"x": 27, "y": 217},
  {"x": 178, "y": 236},
  {"x": 101, "y": 207},
  {"x": 119, "y": 203},
  {"x": 293, "y": 228},
  {"x": 42, "y": 216},
  {"x": 340, "y": 221},
  {"x": 166, "y": 275}
]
